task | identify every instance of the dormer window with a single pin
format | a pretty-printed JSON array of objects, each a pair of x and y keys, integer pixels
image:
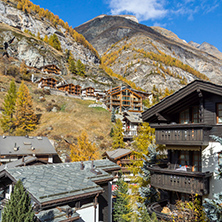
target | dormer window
[
  {"x": 185, "y": 117},
  {"x": 190, "y": 115},
  {"x": 219, "y": 113}
]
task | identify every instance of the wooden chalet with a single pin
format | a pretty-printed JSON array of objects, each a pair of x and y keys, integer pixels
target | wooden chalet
[
  {"x": 123, "y": 99},
  {"x": 122, "y": 157},
  {"x": 70, "y": 89},
  {"x": 88, "y": 92},
  {"x": 184, "y": 122},
  {"x": 47, "y": 82},
  {"x": 131, "y": 122},
  {"x": 77, "y": 191},
  {"x": 50, "y": 69}
]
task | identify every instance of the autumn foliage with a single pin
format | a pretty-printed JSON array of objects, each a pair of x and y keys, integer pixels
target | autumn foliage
[{"x": 84, "y": 149}]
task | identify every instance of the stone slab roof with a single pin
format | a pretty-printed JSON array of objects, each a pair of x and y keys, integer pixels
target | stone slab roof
[
  {"x": 53, "y": 182},
  {"x": 58, "y": 214},
  {"x": 18, "y": 163},
  {"x": 118, "y": 153},
  {"x": 25, "y": 145}
]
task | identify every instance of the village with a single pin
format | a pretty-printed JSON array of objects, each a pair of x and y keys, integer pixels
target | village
[
  {"x": 187, "y": 123},
  {"x": 107, "y": 119}
]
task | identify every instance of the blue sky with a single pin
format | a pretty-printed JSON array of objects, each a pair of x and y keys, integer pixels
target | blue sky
[{"x": 192, "y": 20}]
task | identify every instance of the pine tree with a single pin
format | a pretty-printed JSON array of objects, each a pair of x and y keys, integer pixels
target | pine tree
[
  {"x": 25, "y": 118},
  {"x": 54, "y": 42},
  {"x": 81, "y": 69},
  {"x": 122, "y": 208},
  {"x": 8, "y": 120},
  {"x": 18, "y": 208},
  {"x": 118, "y": 135},
  {"x": 72, "y": 65},
  {"x": 84, "y": 149}
]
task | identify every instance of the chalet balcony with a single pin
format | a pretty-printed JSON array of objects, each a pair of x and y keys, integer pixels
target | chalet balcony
[
  {"x": 180, "y": 180},
  {"x": 182, "y": 134},
  {"x": 129, "y": 134}
]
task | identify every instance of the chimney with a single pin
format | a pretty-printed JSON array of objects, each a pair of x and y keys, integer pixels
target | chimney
[
  {"x": 92, "y": 164},
  {"x": 3, "y": 136},
  {"x": 15, "y": 148},
  {"x": 82, "y": 166}
]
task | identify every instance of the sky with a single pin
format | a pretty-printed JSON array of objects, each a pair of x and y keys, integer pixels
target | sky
[{"x": 192, "y": 20}]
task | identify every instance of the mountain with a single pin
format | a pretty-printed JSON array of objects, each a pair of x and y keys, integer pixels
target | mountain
[
  {"x": 28, "y": 25},
  {"x": 149, "y": 56},
  {"x": 206, "y": 47}
]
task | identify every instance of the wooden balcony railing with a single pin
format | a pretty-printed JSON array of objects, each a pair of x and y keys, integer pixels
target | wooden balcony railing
[
  {"x": 182, "y": 134},
  {"x": 180, "y": 181}
]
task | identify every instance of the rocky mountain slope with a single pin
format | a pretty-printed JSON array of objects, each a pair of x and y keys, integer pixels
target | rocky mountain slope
[
  {"x": 149, "y": 55},
  {"x": 29, "y": 29}
]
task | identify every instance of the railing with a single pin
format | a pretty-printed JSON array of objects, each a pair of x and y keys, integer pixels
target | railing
[
  {"x": 130, "y": 134},
  {"x": 180, "y": 181},
  {"x": 157, "y": 209},
  {"x": 182, "y": 134}
]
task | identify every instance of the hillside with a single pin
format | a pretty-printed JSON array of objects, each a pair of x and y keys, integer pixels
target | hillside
[
  {"x": 149, "y": 55},
  {"x": 65, "y": 117}
]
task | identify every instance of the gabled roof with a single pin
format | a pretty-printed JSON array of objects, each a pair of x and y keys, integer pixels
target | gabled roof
[
  {"x": 117, "y": 154},
  {"x": 25, "y": 146},
  {"x": 195, "y": 86},
  {"x": 54, "y": 184},
  {"x": 121, "y": 90},
  {"x": 22, "y": 162}
]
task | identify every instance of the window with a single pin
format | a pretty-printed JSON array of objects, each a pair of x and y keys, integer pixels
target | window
[
  {"x": 184, "y": 117},
  {"x": 190, "y": 115},
  {"x": 219, "y": 113},
  {"x": 184, "y": 158},
  {"x": 196, "y": 161},
  {"x": 195, "y": 114}
]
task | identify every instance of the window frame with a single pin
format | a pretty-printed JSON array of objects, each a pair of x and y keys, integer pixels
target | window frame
[{"x": 217, "y": 113}]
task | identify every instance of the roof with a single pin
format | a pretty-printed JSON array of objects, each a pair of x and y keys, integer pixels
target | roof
[
  {"x": 58, "y": 214},
  {"x": 27, "y": 160},
  {"x": 133, "y": 118},
  {"x": 117, "y": 154},
  {"x": 25, "y": 145},
  {"x": 54, "y": 183},
  {"x": 197, "y": 85}
]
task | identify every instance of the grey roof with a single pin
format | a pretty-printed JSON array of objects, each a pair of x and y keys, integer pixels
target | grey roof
[
  {"x": 134, "y": 119},
  {"x": 115, "y": 154},
  {"x": 56, "y": 214},
  {"x": 24, "y": 145},
  {"x": 17, "y": 163},
  {"x": 63, "y": 180}
]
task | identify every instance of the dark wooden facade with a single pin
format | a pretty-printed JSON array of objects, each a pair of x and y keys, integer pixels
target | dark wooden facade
[
  {"x": 48, "y": 82},
  {"x": 70, "y": 89},
  {"x": 50, "y": 69},
  {"x": 184, "y": 122}
]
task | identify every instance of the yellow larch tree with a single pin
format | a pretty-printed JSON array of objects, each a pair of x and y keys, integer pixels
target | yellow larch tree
[
  {"x": 25, "y": 118},
  {"x": 84, "y": 149}
]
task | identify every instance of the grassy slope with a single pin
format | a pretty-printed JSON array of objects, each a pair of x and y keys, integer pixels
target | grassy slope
[{"x": 68, "y": 123}]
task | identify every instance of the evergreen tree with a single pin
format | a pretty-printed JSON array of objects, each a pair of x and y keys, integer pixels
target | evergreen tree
[
  {"x": 113, "y": 117},
  {"x": 18, "y": 208},
  {"x": 25, "y": 118},
  {"x": 118, "y": 135},
  {"x": 84, "y": 149},
  {"x": 72, "y": 65},
  {"x": 122, "y": 210},
  {"x": 8, "y": 120},
  {"x": 54, "y": 42},
  {"x": 81, "y": 69}
]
